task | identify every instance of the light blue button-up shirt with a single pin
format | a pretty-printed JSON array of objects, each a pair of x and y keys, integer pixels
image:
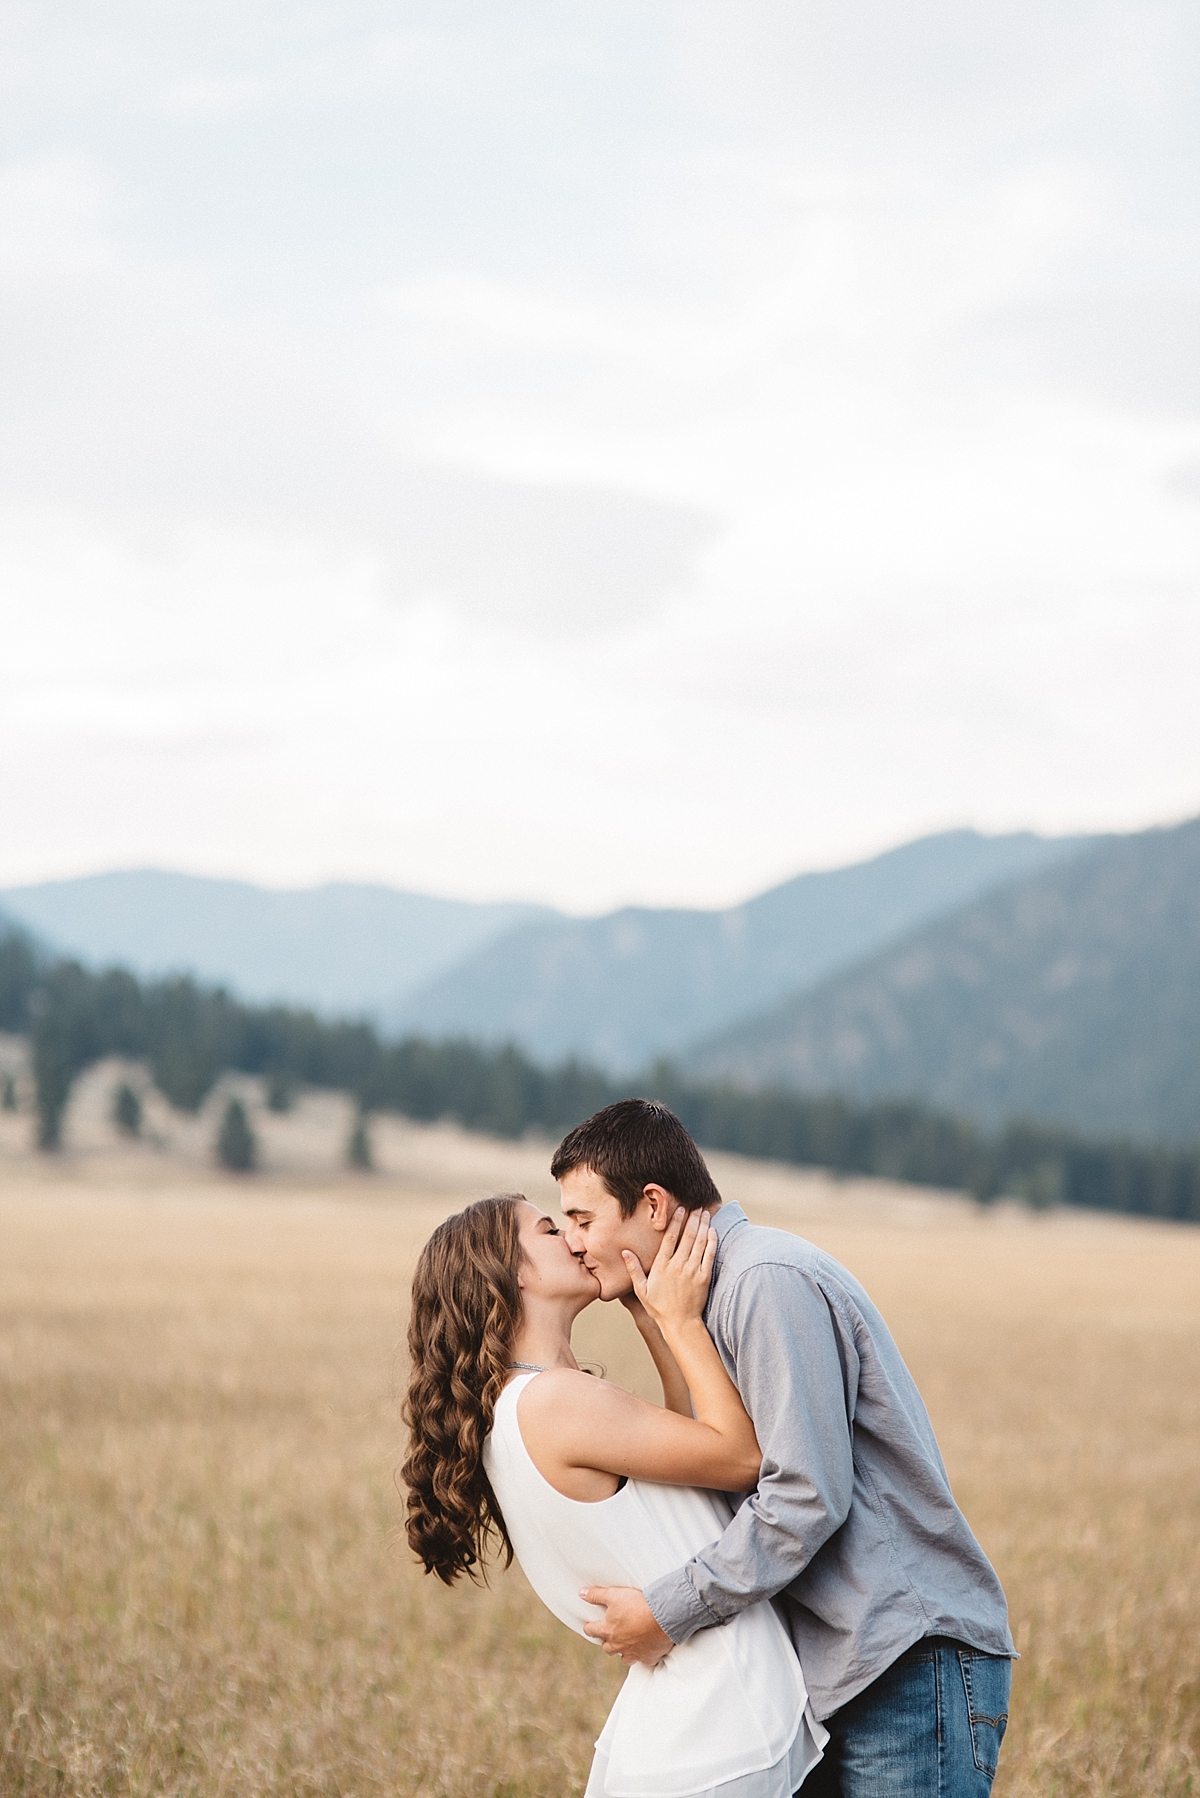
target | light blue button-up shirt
[{"x": 853, "y": 1526}]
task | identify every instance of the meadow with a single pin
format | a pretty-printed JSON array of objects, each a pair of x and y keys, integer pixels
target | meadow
[{"x": 203, "y": 1587}]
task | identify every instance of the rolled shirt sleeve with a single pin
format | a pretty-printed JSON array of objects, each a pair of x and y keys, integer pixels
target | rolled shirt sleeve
[{"x": 792, "y": 1356}]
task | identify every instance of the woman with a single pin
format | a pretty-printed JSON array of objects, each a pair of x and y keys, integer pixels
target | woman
[{"x": 589, "y": 1485}]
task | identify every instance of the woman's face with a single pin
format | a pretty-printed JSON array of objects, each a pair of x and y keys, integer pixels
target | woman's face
[{"x": 548, "y": 1268}]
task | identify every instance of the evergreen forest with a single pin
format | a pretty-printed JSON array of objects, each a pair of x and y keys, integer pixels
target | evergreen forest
[{"x": 189, "y": 1034}]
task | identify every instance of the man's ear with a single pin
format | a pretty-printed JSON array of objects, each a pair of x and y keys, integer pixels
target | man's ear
[{"x": 662, "y": 1206}]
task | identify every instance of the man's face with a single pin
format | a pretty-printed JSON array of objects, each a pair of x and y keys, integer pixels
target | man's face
[{"x": 596, "y": 1230}]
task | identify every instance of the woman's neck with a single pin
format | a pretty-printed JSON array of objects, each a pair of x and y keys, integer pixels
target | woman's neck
[{"x": 544, "y": 1338}]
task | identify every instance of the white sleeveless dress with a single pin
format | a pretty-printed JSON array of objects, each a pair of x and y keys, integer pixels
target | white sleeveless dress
[{"x": 726, "y": 1715}]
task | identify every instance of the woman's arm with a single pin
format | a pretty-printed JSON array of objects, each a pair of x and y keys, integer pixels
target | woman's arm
[
  {"x": 576, "y": 1427},
  {"x": 676, "y": 1396}
]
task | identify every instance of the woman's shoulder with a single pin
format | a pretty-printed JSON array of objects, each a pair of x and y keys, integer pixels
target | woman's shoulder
[
  {"x": 568, "y": 1422},
  {"x": 557, "y": 1386},
  {"x": 567, "y": 1398}
]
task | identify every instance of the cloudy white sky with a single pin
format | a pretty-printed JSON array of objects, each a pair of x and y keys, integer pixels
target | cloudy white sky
[{"x": 593, "y": 452}]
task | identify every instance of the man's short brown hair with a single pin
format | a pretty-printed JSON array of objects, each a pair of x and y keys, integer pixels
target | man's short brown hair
[{"x": 634, "y": 1144}]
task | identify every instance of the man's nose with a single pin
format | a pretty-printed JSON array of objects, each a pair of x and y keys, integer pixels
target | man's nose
[{"x": 574, "y": 1242}]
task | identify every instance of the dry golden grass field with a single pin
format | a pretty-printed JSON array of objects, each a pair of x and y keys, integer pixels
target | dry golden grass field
[{"x": 202, "y": 1590}]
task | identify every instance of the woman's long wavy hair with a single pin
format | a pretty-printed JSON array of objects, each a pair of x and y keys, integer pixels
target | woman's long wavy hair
[{"x": 466, "y": 1309}]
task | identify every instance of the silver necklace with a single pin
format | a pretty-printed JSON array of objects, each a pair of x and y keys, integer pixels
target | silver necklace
[{"x": 531, "y": 1366}]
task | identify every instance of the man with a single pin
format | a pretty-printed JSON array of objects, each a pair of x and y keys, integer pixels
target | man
[{"x": 897, "y": 1616}]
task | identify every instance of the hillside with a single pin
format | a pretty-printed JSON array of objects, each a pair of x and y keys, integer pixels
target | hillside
[
  {"x": 1072, "y": 996},
  {"x": 340, "y": 948},
  {"x": 623, "y": 989}
]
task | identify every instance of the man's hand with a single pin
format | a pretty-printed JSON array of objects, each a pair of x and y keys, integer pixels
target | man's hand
[{"x": 629, "y": 1628}]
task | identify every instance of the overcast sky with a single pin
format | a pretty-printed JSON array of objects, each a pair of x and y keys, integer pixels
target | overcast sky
[{"x": 599, "y": 452}]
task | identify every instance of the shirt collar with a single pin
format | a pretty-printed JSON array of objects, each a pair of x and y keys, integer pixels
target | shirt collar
[{"x": 726, "y": 1217}]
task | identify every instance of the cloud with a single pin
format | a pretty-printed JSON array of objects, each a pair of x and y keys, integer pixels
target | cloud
[
  {"x": 1183, "y": 481},
  {"x": 1136, "y": 349},
  {"x": 567, "y": 558},
  {"x": 757, "y": 430},
  {"x": 134, "y": 396}
]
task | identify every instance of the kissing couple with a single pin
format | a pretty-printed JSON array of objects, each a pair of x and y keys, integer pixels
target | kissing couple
[{"x": 775, "y": 1552}]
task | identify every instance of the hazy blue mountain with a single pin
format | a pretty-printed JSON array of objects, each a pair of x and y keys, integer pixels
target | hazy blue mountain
[
  {"x": 340, "y": 948},
  {"x": 1071, "y": 996},
  {"x": 639, "y": 983}
]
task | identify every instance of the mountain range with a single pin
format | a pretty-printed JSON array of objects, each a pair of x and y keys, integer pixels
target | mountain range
[
  {"x": 618, "y": 990},
  {"x": 1056, "y": 979},
  {"x": 639, "y": 983},
  {"x": 1070, "y": 996},
  {"x": 342, "y": 948}
]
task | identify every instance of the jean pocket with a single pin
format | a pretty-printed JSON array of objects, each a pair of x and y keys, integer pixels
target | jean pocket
[{"x": 987, "y": 1679}]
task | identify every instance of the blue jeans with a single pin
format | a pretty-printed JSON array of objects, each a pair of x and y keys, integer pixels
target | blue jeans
[{"x": 930, "y": 1727}]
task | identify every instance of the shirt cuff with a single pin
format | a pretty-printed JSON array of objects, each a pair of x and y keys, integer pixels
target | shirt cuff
[{"x": 678, "y": 1608}]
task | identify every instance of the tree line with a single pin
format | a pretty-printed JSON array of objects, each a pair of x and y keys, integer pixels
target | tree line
[{"x": 190, "y": 1034}]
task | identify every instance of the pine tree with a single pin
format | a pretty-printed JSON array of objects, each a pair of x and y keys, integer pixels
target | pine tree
[
  {"x": 127, "y": 1110},
  {"x": 281, "y": 1093},
  {"x": 358, "y": 1149},
  {"x": 8, "y": 1094},
  {"x": 236, "y": 1147}
]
